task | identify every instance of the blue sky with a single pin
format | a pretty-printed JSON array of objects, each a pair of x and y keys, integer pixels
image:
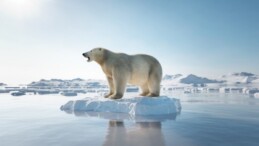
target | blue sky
[{"x": 45, "y": 38}]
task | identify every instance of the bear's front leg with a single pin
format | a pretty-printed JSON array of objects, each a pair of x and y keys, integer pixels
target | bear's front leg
[
  {"x": 116, "y": 96},
  {"x": 119, "y": 82},
  {"x": 108, "y": 95},
  {"x": 111, "y": 86}
]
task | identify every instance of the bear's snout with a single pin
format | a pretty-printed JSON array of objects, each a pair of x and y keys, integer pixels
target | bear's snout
[{"x": 87, "y": 56}]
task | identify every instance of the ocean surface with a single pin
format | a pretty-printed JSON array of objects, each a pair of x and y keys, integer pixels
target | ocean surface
[{"x": 205, "y": 120}]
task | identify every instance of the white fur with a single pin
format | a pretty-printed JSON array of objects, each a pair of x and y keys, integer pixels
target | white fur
[{"x": 120, "y": 69}]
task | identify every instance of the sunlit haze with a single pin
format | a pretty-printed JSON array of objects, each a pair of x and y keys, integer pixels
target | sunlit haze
[{"x": 46, "y": 38}]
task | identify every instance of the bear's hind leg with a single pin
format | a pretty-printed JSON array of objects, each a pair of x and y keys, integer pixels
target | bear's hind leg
[
  {"x": 153, "y": 94},
  {"x": 145, "y": 90},
  {"x": 154, "y": 89},
  {"x": 154, "y": 85}
]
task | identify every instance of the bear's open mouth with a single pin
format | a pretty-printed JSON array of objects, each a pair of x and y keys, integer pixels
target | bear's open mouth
[{"x": 88, "y": 59}]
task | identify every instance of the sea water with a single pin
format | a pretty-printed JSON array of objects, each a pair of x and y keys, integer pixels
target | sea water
[{"x": 217, "y": 119}]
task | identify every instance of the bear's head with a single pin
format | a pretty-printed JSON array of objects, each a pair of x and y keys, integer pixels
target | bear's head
[{"x": 96, "y": 54}]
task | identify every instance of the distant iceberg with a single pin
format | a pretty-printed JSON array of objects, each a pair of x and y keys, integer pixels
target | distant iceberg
[
  {"x": 125, "y": 107},
  {"x": 256, "y": 95}
]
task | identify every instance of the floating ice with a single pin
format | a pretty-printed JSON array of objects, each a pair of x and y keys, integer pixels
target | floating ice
[{"x": 137, "y": 106}]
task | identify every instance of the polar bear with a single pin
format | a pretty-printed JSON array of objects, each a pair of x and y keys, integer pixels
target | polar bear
[{"x": 141, "y": 70}]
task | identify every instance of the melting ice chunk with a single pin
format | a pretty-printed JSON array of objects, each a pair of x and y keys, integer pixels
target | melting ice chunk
[{"x": 143, "y": 106}]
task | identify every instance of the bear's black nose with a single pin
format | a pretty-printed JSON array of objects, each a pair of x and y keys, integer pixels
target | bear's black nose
[{"x": 83, "y": 54}]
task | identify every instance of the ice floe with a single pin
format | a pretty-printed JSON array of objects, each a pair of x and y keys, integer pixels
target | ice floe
[{"x": 161, "y": 107}]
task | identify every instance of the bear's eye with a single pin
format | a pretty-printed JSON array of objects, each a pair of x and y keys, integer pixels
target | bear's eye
[{"x": 100, "y": 49}]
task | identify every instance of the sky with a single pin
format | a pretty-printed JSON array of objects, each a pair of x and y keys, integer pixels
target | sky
[{"x": 46, "y": 38}]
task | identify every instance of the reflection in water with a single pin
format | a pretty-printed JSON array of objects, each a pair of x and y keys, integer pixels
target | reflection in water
[
  {"x": 145, "y": 131},
  {"x": 141, "y": 134}
]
